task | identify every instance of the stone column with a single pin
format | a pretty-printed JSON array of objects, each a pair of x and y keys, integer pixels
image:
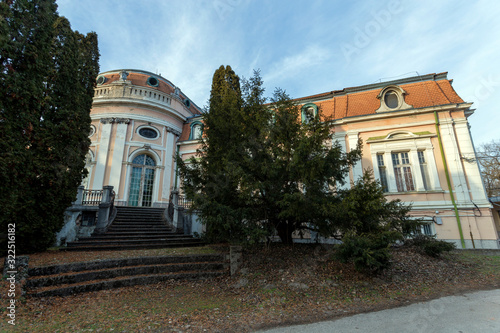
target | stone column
[
  {"x": 104, "y": 210},
  {"x": 357, "y": 169},
  {"x": 169, "y": 159},
  {"x": 102, "y": 153},
  {"x": 178, "y": 223},
  {"x": 79, "y": 195},
  {"x": 118, "y": 150}
]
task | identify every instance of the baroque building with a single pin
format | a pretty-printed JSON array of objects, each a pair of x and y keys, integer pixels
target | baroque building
[
  {"x": 415, "y": 135},
  {"x": 138, "y": 119}
]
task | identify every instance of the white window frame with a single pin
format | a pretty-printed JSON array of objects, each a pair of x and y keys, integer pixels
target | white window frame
[
  {"x": 404, "y": 168},
  {"x": 411, "y": 144},
  {"x": 382, "y": 165}
]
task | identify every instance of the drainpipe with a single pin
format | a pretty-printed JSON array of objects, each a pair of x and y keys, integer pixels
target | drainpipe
[{"x": 448, "y": 180}]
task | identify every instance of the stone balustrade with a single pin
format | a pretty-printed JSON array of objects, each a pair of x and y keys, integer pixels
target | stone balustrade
[{"x": 128, "y": 91}]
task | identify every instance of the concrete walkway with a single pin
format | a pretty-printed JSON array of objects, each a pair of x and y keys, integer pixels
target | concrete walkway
[{"x": 473, "y": 312}]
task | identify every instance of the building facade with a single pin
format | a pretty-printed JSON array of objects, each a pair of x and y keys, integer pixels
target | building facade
[
  {"x": 415, "y": 135},
  {"x": 137, "y": 120}
]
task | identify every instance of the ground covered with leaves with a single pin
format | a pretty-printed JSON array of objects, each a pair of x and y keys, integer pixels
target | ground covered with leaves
[{"x": 276, "y": 285}]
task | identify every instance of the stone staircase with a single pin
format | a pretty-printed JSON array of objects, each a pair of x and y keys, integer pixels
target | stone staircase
[
  {"x": 69, "y": 279},
  {"x": 135, "y": 228}
]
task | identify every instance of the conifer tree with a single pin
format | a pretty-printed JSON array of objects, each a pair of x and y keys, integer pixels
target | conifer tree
[
  {"x": 46, "y": 87},
  {"x": 295, "y": 170},
  {"x": 213, "y": 180},
  {"x": 261, "y": 170}
]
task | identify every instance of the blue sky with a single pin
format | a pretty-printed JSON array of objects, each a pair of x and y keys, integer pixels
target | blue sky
[{"x": 305, "y": 47}]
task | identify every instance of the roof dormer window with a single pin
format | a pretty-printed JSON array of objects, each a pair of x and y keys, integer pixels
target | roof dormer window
[
  {"x": 309, "y": 112},
  {"x": 152, "y": 81},
  {"x": 392, "y": 98}
]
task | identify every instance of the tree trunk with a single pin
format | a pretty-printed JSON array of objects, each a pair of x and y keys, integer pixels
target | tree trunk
[{"x": 285, "y": 232}]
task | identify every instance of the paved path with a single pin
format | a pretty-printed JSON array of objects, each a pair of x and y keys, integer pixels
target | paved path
[{"x": 473, "y": 312}]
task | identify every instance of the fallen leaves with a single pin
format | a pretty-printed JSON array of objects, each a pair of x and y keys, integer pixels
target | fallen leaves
[{"x": 275, "y": 286}]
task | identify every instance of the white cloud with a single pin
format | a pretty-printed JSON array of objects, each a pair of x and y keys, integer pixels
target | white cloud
[
  {"x": 293, "y": 66},
  {"x": 298, "y": 46}
]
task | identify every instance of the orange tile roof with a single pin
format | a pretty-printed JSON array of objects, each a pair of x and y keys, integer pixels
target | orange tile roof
[
  {"x": 422, "y": 91},
  {"x": 186, "y": 131}
]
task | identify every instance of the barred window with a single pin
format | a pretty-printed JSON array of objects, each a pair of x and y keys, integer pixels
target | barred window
[{"x": 427, "y": 229}]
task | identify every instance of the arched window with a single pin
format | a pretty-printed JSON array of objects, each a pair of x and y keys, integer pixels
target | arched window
[
  {"x": 309, "y": 112},
  {"x": 196, "y": 131},
  {"x": 142, "y": 181}
]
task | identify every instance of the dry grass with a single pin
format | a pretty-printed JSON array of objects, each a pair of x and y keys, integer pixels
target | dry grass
[{"x": 276, "y": 286}]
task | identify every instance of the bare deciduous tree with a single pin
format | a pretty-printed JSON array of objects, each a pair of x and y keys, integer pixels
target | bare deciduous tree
[{"x": 488, "y": 156}]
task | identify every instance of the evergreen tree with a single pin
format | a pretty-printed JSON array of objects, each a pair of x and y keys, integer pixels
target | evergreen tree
[
  {"x": 46, "y": 88},
  {"x": 261, "y": 169},
  {"x": 212, "y": 181},
  {"x": 294, "y": 170}
]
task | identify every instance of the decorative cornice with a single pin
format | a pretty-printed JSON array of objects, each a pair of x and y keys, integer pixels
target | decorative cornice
[
  {"x": 172, "y": 130},
  {"x": 115, "y": 120}
]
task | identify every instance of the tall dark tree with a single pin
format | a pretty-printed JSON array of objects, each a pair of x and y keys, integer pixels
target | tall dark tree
[
  {"x": 213, "y": 180},
  {"x": 46, "y": 87},
  {"x": 294, "y": 170},
  {"x": 261, "y": 169}
]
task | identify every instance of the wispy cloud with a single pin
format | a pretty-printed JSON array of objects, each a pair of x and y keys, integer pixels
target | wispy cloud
[
  {"x": 293, "y": 66},
  {"x": 299, "y": 45}
]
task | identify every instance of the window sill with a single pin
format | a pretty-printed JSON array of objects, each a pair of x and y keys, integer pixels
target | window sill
[{"x": 415, "y": 192}]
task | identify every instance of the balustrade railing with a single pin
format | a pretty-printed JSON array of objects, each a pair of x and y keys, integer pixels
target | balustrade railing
[
  {"x": 92, "y": 197},
  {"x": 184, "y": 202},
  {"x": 134, "y": 92}
]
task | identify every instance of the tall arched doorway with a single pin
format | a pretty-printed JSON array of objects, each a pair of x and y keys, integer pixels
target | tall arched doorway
[{"x": 141, "y": 181}]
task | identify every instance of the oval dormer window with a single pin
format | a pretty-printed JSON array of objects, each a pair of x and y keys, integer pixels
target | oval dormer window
[
  {"x": 391, "y": 99},
  {"x": 148, "y": 133},
  {"x": 101, "y": 79},
  {"x": 152, "y": 81}
]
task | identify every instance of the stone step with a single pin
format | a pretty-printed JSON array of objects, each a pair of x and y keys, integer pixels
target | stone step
[
  {"x": 123, "y": 262},
  {"x": 138, "y": 223},
  {"x": 141, "y": 211},
  {"x": 132, "y": 217},
  {"x": 149, "y": 232},
  {"x": 71, "y": 289},
  {"x": 134, "y": 235},
  {"x": 140, "y": 208},
  {"x": 68, "y": 279},
  {"x": 111, "y": 273},
  {"x": 134, "y": 228},
  {"x": 132, "y": 241},
  {"x": 152, "y": 245},
  {"x": 138, "y": 227},
  {"x": 100, "y": 241}
]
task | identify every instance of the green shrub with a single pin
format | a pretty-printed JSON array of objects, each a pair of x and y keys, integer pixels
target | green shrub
[
  {"x": 430, "y": 246},
  {"x": 368, "y": 252}
]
